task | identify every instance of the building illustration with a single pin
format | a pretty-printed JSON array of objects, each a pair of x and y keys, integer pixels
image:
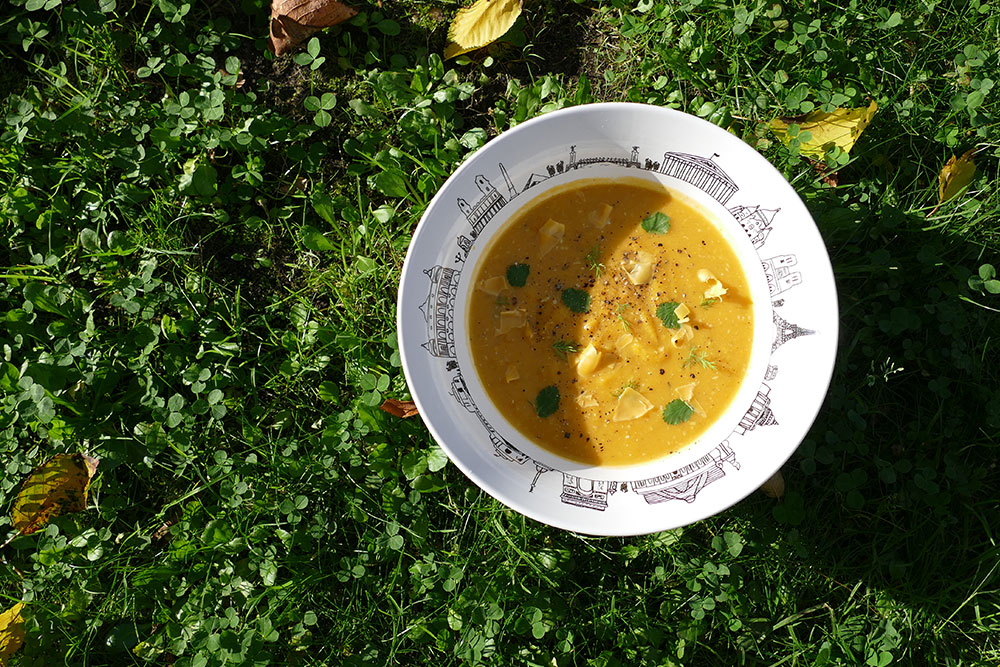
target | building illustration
[
  {"x": 587, "y": 493},
  {"x": 756, "y": 222},
  {"x": 779, "y": 273},
  {"x": 700, "y": 172},
  {"x": 685, "y": 483},
  {"x": 759, "y": 413},
  {"x": 439, "y": 311},
  {"x": 485, "y": 208},
  {"x": 460, "y": 391},
  {"x": 784, "y": 332}
]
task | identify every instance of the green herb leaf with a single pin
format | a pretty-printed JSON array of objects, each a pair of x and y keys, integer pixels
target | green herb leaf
[
  {"x": 665, "y": 311},
  {"x": 563, "y": 347},
  {"x": 576, "y": 300},
  {"x": 695, "y": 358},
  {"x": 677, "y": 412},
  {"x": 708, "y": 303},
  {"x": 517, "y": 274},
  {"x": 592, "y": 263},
  {"x": 547, "y": 401},
  {"x": 658, "y": 223}
]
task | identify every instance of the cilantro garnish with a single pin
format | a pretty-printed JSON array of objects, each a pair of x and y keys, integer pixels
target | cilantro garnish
[
  {"x": 563, "y": 347},
  {"x": 658, "y": 223},
  {"x": 517, "y": 274},
  {"x": 576, "y": 300},
  {"x": 677, "y": 412},
  {"x": 547, "y": 401},
  {"x": 709, "y": 302},
  {"x": 665, "y": 311}
]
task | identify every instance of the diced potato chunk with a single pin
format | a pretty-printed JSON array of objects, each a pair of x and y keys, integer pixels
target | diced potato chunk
[
  {"x": 511, "y": 319},
  {"x": 586, "y": 400},
  {"x": 587, "y": 362},
  {"x": 639, "y": 267},
  {"x": 491, "y": 286},
  {"x": 715, "y": 289},
  {"x": 512, "y": 373},
  {"x": 602, "y": 215},
  {"x": 631, "y": 405},
  {"x": 550, "y": 234}
]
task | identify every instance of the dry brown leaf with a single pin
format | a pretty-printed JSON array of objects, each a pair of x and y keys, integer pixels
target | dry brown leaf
[
  {"x": 841, "y": 128},
  {"x": 956, "y": 174},
  {"x": 294, "y": 21},
  {"x": 403, "y": 409},
  {"x": 476, "y": 26},
  {"x": 54, "y": 488},
  {"x": 11, "y": 632},
  {"x": 774, "y": 487}
]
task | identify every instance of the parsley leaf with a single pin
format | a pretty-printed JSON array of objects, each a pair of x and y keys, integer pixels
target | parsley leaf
[
  {"x": 658, "y": 223},
  {"x": 576, "y": 300},
  {"x": 517, "y": 274},
  {"x": 665, "y": 311},
  {"x": 547, "y": 401},
  {"x": 677, "y": 412}
]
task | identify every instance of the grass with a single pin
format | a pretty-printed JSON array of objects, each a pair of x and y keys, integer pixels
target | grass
[{"x": 203, "y": 249}]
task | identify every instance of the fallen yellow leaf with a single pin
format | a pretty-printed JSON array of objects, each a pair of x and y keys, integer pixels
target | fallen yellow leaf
[
  {"x": 840, "y": 127},
  {"x": 957, "y": 174},
  {"x": 11, "y": 632},
  {"x": 56, "y": 487},
  {"x": 482, "y": 23}
]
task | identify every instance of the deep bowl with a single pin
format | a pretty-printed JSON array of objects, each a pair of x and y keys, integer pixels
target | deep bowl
[{"x": 783, "y": 257}]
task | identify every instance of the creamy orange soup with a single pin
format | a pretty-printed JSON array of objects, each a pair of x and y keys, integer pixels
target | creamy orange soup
[{"x": 610, "y": 322}]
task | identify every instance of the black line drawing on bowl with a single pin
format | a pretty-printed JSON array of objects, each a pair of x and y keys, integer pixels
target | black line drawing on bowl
[
  {"x": 587, "y": 493},
  {"x": 501, "y": 447},
  {"x": 759, "y": 413},
  {"x": 703, "y": 173},
  {"x": 756, "y": 222},
  {"x": 439, "y": 311},
  {"x": 779, "y": 273},
  {"x": 786, "y": 331},
  {"x": 686, "y": 482},
  {"x": 771, "y": 372}
]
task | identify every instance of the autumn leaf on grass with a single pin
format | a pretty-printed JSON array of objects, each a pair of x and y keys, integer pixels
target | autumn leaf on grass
[
  {"x": 56, "y": 487},
  {"x": 11, "y": 632},
  {"x": 294, "y": 21},
  {"x": 840, "y": 127},
  {"x": 476, "y": 26},
  {"x": 956, "y": 174},
  {"x": 403, "y": 409}
]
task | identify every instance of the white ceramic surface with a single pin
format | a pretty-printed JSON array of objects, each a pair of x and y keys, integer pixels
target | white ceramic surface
[{"x": 795, "y": 335}]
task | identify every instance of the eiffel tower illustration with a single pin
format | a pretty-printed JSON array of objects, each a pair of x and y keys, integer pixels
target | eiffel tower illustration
[{"x": 786, "y": 332}]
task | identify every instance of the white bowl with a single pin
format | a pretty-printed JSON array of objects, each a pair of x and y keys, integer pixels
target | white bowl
[{"x": 783, "y": 256}]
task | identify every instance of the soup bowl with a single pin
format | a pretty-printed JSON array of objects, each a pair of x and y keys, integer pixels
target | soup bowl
[{"x": 791, "y": 289}]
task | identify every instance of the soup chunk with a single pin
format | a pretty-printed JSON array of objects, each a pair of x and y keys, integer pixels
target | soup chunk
[{"x": 610, "y": 322}]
